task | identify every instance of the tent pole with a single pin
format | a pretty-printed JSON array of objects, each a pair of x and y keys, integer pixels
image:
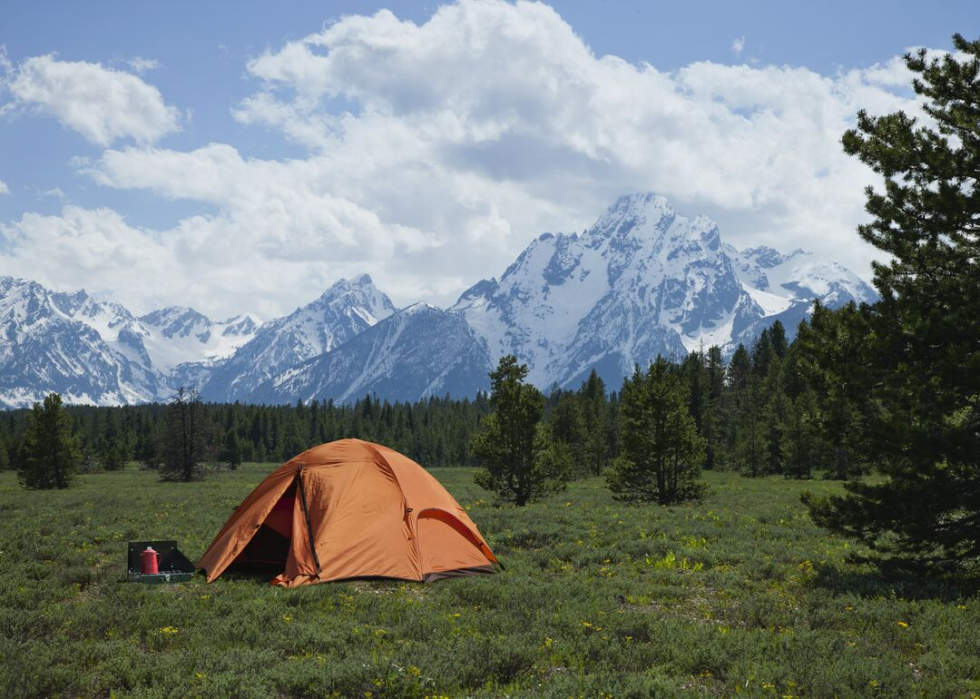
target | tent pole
[{"x": 309, "y": 525}]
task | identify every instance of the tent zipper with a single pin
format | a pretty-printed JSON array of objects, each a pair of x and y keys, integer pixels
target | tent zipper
[{"x": 309, "y": 525}]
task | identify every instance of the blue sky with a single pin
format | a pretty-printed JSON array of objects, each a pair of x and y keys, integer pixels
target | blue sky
[{"x": 459, "y": 171}]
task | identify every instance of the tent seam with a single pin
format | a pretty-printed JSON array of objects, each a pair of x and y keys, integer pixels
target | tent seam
[{"x": 415, "y": 539}]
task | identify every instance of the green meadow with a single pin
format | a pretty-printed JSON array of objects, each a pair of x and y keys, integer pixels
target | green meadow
[{"x": 738, "y": 595}]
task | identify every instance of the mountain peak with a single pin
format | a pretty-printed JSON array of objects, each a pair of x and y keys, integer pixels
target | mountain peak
[
  {"x": 8, "y": 282},
  {"x": 167, "y": 316},
  {"x": 643, "y": 280},
  {"x": 419, "y": 307},
  {"x": 419, "y": 352},
  {"x": 69, "y": 302},
  {"x": 343, "y": 311},
  {"x": 633, "y": 216},
  {"x": 357, "y": 295},
  {"x": 767, "y": 257},
  {"x": 642, "y": 206},
  {"x": 242, "y": 318},
  {"x": 81, "y": 295},
  {"x": 242, "y": 324},
  {"x": 362, "y": 283},
  {"x": 640, "y": 202}
]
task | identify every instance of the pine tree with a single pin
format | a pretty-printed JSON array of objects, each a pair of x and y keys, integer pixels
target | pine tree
[
  {"x": 50, "y": 454},
  {"x": 763, "y": 353},
  {"x": 712, "y": 427},
  {"x": 736, "y": 381},
  {"x": 924, "y": 339},
  {"x": 802, "y": 446},
  {"x": 739, "y": 368},
  {"x": 777, "y": 338},
  {"x": 752, "y": 445},
  {"x": 567, "y": 425},
  {"x": 232, "y": 454},
  {"x": 184, "y": 445},
  {"x": 834, "y": 357},
  {"x": 777, "y": 405},
  {"x": 113, "y": 458},
  {"x": 662, "y": 452},
  {"x": 520, "y": 461},
  {"x": 695, "y": 375},
  {"x": 595, "y": 416}
]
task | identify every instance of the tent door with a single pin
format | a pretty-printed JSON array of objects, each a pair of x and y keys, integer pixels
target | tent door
[{"x": 268, "y": 549}]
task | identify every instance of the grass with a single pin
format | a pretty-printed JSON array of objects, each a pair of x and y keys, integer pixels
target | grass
[{"x": 738, "y": 595}]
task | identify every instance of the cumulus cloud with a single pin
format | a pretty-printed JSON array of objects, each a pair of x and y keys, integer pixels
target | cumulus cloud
[
  {"x": 78, "y": 247},
  {"x": 277, "y": 240},
  {"x": 437, "y": 151},
  {"x": 101, "y": 104},
  {"x": 4, "y": 189},
  {"x": 504, "y": 107},
  {"x": 204, "y": 261},
  {"x": 276, "y": 206},
  {"x": 738, "y": 45}
]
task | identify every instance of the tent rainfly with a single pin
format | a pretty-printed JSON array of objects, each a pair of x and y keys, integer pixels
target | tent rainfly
[{"x": 349, "y": 509}]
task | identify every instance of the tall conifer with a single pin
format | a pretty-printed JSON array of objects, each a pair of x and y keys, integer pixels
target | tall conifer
[{"x": 924, "y": 335}]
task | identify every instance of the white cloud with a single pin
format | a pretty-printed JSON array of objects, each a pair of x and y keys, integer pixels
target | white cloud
[
  {"x": 275, "y": 205},
  {"x": 4, "y": 189},
  {"x": 205, "y": 261},
  {"x": 437, "y": 151},
  {"x": 503, "y": 107},
  {"x": 95, "y": 249},
  {"x": 738, "y": 45},
  {"x": 141, "y": 65},
  {"x": 101, "y": 104},
  {"x": 277, "y": 240}
]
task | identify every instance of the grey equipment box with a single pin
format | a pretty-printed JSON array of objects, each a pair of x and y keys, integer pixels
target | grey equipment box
[{"x": 174, "y": 566}]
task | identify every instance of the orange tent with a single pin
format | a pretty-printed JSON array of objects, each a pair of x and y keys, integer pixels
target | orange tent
[{"x": 349, "y": 509}]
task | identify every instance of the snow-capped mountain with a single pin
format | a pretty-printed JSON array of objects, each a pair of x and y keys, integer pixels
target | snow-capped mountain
[
  {"x": 90, "y": 352},
  {"x": 785, "y": 286},
  {"x": 418, "y": 352},
  {"x": 97, "y": 352},
  {"x": 124, "y": 335},
  {"x": 642, "y": 281},
  {"x": 179, "y": 335},
  {"x": 343, "y": 311}
]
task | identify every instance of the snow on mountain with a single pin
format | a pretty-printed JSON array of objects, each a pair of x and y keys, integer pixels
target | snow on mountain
[
  {"x": 806, "y": 275},
  {"x": 642, "y": 281},
  {"x": 91, "y": 352},
  {"x": 97, "y": 352},
  {"x": 179, "y": 335},
  {"x": 125, "y": 336},
  {"x": 415, "y": 353},
  {"x": 785, "y": 287},
  {"x": 346, "y": 309}
]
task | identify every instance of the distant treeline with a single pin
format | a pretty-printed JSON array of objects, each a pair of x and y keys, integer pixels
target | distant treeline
[
  {"x": 434, "y": 431},
  {"x": 759, "y": 413}
]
